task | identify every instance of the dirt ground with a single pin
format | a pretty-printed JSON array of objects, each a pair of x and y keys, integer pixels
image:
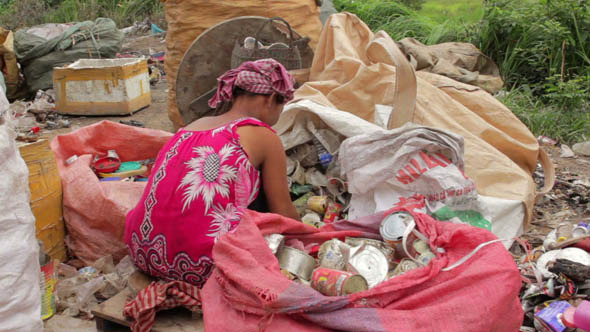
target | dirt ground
[{"x": 568, "y": 202}]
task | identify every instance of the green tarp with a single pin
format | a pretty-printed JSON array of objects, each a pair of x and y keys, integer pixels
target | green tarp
[{"x": 84, "y": 40}]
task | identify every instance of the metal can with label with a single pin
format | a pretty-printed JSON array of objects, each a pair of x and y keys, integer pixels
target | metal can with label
[
  {"x": 334, "y": 254},
  {"x": 393, "y": 227},
  {"x": 336, "y": 283},
  {"x": 297, "y": 262},
  {"x": 369, "y": 262},
  {"x": 318, "y": 204},
  {"x": 332, "y": 214}
]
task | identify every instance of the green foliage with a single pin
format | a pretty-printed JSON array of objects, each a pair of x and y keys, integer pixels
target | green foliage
[
  {"x": 414, "y": 4},
  {"x": 564, "y": 124},
  {"x": 468, "y": 11},
  {"x": 22, "y": 13},
  {"x": 570, "y": 95},
  {"x": 526, "y": 38},
  {"x": 401, "y": 21}
]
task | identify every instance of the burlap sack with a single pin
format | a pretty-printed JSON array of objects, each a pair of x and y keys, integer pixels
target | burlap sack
[
  {"x": 354, "y": 69},
  {"x": 462, "y": 62},
  {"x": 187, "y": 19}
]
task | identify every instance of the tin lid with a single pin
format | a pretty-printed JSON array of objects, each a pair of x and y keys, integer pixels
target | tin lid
[
  {"x": 394, "y": 225},
  {"x": 369, "y": 262},
  {"x": 354, "y": 284}
]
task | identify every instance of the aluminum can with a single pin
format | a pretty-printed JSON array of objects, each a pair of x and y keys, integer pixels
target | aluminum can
[
  {"x": 393, "y": 227},
  {"x": 318, "y": 204},
  {"x": 369, "y": 262},
  {"x": 275, "y": 242},
  {"x": 336, "y": 283},
  {"x": 334, "y": 254},
  {"x": 297, "y": 262},
  {"x": 332, "y": 212}
]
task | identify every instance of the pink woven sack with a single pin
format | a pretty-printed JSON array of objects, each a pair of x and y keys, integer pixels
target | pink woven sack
[
  {"x": 248, "y": 292},
  {"x": 94, "y": 211}
]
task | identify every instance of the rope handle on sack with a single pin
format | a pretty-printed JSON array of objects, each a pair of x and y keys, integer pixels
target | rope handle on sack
[{"x": 412, "y": 229}]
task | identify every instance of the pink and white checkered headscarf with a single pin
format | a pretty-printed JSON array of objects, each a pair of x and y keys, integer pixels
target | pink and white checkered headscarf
[{"x": 261, "y": 76}]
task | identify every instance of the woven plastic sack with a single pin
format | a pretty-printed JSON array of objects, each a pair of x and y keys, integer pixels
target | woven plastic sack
[
  {"x": 249, "y": 292},
  {"x": 20, "y": 295},
  {"x": 38, "y": 56},
  {"x": 187, "y": 19},
  {"x": 94, "y": 211}
]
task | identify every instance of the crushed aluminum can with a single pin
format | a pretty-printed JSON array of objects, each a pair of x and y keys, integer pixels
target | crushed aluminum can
[
  {"x": 404, "y": 266},
  {"x": 337, "y": 283},
  {"x": 334, "y": 254},
  {"x": 297, "y": 262},
  {"x": 318, "y": 204},
  {"x": 384, "y": 247},
  {"x": 332, "y": 212},
  {"x": 393, "y": 227},
  {"x": 369, "y": 262},
  {"x": 275, "y": 242}
]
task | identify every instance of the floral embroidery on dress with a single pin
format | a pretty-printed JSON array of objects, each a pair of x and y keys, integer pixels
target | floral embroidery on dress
[
  {"x": 224, "y": 219},
  {"x": 208, "y": 175}
]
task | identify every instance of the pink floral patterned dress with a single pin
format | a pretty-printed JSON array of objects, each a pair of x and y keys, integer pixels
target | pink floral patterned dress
[{"x": 199, "y": 186}]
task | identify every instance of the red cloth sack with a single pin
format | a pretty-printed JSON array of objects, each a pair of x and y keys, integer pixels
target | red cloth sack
[
  {"x": 94, "y": 211},
  {"x": 247, "y": 291}
]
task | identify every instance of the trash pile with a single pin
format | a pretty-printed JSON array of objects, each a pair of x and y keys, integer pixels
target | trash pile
[
  {"x": 339, "y": 268},
  {"x": 319, "y": 192},
  {"x": 75, "y": 292},
  {"x": 109, "y": 167},
  {"x": 32, "y": 116},
  {"x": 556, "y": 278}
]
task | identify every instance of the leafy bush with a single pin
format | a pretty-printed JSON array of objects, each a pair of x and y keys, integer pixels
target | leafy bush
[
  {"x": 530, "y": 40},
  {"x": 22, "y": 13},
  {"x": 401, "y": 21},
  {"x": 570, "y": 95},
  {"x": 563, "y": 124}
]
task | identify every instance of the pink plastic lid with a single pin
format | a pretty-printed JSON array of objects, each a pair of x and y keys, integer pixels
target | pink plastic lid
[
  {"x": 582, "y": 316},
  {"x": 568, "y": 317}
]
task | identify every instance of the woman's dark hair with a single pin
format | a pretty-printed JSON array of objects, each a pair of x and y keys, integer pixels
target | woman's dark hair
[{"x": 225, "y": 106}]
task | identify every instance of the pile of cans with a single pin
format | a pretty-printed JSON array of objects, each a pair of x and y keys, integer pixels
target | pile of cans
[
  {"x": 338, "y": 267},
  {"x": 318, "y": 191}
]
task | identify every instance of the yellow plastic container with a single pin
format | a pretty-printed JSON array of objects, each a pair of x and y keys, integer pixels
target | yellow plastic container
[
  {"x": 102, "y": 87},
  {"x": 46, "y": 197}
]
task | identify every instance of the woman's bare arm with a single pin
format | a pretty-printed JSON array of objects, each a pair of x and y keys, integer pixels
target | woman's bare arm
[{"x": 266, "y": 152}]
